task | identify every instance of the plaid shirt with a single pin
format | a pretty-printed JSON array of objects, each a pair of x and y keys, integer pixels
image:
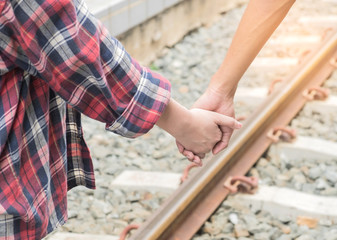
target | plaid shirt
[{"x": 56, "y": 62}]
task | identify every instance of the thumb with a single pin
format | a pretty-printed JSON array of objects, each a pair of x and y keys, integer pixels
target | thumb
[
  {"x": 226, "y": 121},
  {"x": 226, "y": 125},
  {"x": 223, "y": 143}
]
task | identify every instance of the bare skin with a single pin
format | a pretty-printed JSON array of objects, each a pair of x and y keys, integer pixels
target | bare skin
[
  {"x": 257, "y": 24},
  {"x": 196, "y": 129}
]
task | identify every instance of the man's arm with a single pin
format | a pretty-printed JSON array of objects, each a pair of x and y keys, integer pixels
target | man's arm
[{"x": 67, "y": 47}]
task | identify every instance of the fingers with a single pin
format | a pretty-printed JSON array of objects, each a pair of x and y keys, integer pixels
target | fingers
[
  {"x": 190, "y": 155},
  {"x": 221, "y": 129},
  {"x": 180, "y": 147},
  {"x": 226, "y": 125},
  {"x": 197, "y": 161},
  {"x": 201, "y": 155},
  {"x": 225, "y": 121},
  {"x": 219, "y": 146},
  {"x": 223, "y": 143}
]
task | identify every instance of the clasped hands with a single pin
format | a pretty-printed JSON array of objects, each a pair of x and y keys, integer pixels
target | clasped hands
[
  {"x": 216, "y": 122},
  {"x": 206, "y": 131},
  {"x": 206, "y": 127}
]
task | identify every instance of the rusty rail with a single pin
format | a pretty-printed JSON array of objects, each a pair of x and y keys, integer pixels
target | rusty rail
[{"x": 191, "y": 205}]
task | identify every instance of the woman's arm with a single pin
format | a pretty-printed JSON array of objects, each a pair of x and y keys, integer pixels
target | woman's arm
[{"x": 258, "y": 22}]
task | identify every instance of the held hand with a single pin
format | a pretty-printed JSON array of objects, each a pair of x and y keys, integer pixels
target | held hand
[
  {"x": 213, "y": 100},
  {"x": 205, "y": 129},
  {"x": 197, "y": 130}
]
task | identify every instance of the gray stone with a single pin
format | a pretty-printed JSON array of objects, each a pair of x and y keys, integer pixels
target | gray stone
[
  {"x": 203, "y": 237},
  {"x": 226, "y": 227},
  {"x": 141, "y": 213},
  {"x": 303, "y": 229},
  {"x": 305, "y": 237},
  {"x": 255, "y": 208},
  {"x": 233, "y": 218},
  {"x": 330, "y": 234},
  {"x": 211, "y": 229},
  {"x": 262, "y": 162},
  {"x": 261, "y": 236},
  {"x": 223, "y": 236},
  {"x": 119, "y": 223},
  {"x": 282, "y": 180},
  {"x": 101, "y": 151},
  {"x": 284, "y": 237},
  {"x": 329, "y": 191},
  {"x": 250, "y": 220},
  {"x": 100, "y": 209},
  {"x": 111, "y": 170},
  {"x": 129, "y": 216},
  {"x": 321, "y": 184},
  {"x": 325, "y": 222},
  {"x": 72, "y": 213},
  {"x": 274, "y": 233},
  {"x": 308, "y": 188},
  {"x": 100, "y": 193},
  {"x": 157, "y": 154},
  {"x": 262, "y": 227},
  {"x": 150, "y": 204},
  {"x": 299, "y": 178},
  {"x": 134, "y": 197},
  {"x": 240, "y": 231},
  {"x": 331, "y": 176}
]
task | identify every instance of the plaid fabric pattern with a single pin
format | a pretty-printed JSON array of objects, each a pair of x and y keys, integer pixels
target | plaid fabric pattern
[{"x": 56, "y": 63}]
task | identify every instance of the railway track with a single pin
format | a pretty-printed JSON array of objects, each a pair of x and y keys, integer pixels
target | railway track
[
  {"x": 299, "y": 193},
  {"x": 193, "y": 203}
]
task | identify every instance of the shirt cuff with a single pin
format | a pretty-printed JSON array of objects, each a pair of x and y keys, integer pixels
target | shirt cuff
[{"x": 145, "y": 108}]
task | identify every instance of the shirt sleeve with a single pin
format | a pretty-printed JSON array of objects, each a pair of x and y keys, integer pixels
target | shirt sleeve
[{"x": 60, "y": 42}]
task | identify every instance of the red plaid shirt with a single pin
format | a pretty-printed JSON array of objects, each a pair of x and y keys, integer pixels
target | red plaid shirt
[{"x": 56, "y": 62}]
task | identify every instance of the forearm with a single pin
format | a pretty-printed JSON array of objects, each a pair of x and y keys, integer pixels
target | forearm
[
  {"x": 259, "y": 21},
  {"x": 97, "y": 76}
]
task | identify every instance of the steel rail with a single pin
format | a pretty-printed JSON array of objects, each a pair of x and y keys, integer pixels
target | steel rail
[{"x": 184, "y": 212}]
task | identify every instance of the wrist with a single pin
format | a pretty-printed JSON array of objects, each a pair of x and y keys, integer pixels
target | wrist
[
  {"x": 222, "y": 85},
  {"x": 174, "y": 119},
  {"x": 225, "y": 92}
]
